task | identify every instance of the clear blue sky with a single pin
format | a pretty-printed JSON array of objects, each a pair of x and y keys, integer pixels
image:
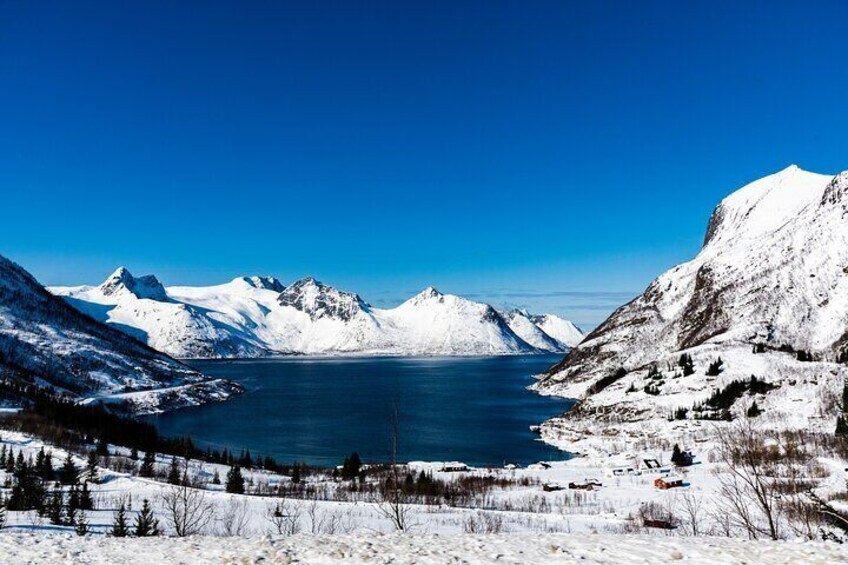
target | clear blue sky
[{"x": 555, "y": 155}]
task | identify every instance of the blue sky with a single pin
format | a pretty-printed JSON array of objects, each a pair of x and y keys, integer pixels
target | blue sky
[{"x": 552, "y": 155}]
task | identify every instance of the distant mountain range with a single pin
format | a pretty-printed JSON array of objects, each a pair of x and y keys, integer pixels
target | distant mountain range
[
  {"x": 46, "y": 342},
  {"x": 259, "y": 316},
  {"x": 767, "y": 294}
]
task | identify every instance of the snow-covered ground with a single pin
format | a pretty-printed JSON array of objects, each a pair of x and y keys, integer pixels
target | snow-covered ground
[
  {"x": 372, "y": 547},
  {"x": 256, "y": 316}
]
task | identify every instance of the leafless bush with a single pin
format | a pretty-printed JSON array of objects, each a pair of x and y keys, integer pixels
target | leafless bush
[
  {"x": 284, "y": 516},
  {"x": 690, "y": 506},
  {"x": 483, "y": 523},
  {"x": 234, "y": 520},
  {"x": 187, "y": 509}
]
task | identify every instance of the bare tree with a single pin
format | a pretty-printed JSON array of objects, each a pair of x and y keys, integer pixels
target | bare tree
[
  {"x": 749, "y": 490},
  {"x": 284, "y": 516},
  {"x": 234, "y": 520},
  {"x": 187, "y": 509},
  {"x": 690, "y": 507},
  {"x": 393, "y": 503}
]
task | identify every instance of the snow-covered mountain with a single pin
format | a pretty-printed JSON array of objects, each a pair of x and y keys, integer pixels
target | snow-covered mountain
[
  {"x": 45, "y": 341},
  {"x": 256, "y": 316},
  {"x": 768, "y": 294},
  {"x": 528, "y": 328}
]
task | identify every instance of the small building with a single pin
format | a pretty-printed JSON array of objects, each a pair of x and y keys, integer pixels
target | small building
[
  {"x": 651, "y": 463},
  {"x": 453, "y": 467},
  {"x": 665, "y": 483}
]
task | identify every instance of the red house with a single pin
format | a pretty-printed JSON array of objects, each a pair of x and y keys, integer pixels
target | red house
[{"x": 668, "y": 482}]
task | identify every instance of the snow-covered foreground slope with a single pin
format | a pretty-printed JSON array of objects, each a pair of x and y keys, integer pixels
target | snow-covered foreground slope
[
  {"x": 528, "y": 523},
  {"x": 517, "y": 549},
  {"x": 256, "y": 316},
  {"x": 768, "y": 294},
  {"x": 43, "y": 340}
]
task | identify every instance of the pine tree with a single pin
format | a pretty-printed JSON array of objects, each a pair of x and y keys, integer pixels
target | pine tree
[
  {"x": 81, "y": 525},
  {"x": 685, "y": 362},
  {"x": 841, "y": 426},
  {"x": 754, "y": 410},
  {"x": 69, "y": 474},
  {"x": 46, "y": 470},
  {"x": 676, "y": 455},
  {"x": 145, "y": 524},
  {"x": 86, "y": 502},
  {"x": 119, "y": 524},
  {"x": 216, "y": 478},
  {"x": 10, "y": 461},
  {"x": 147, "y": 468},
  {"x": 295, "y": 476},
  {"x": 91, "y": 466},
  {"x": 235, "y": 480},
  {"x": 54, "y": 508},
  {"x": 102, "y": 448},
  {"x": 174, "y": 472},
  {"x": 134, "y": 454}
]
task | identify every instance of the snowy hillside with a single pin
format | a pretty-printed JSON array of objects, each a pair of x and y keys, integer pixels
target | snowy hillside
[
  {"x": 44, "y": 340},
  {"x": 257, "y": 316},
  {"x": 768, "y": 294}
]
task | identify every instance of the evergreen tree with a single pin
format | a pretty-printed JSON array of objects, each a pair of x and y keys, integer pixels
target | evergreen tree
[
  {"x": 102, "y": 448},
  {"x": 134, "y": 454},
  {"x": 295, "y": 476},
  {"x": 174, "y": 472},
  {"x": 86, "y": 502},
  {"x": 10, "y": 461},
  {"x": 715, "y": 368},
  {"x": 3, "y": 456},
  {"x": 351, "y": 466},
  {"x": 754, "y": 410},
  {"x": 69, "y": 474},
  {"x": 147, "y": 468},
  {"x": 685, "y": 362},
  {"x": 46, "y": 470},
  {"x": 119, "y": 524},
  {"x": 81, "y": 524},
  {"x": 91, "y": 466},
  {"x": 54, "y": 508},
  {"x": 3, "y": 516},
  {"x": 216, "y": 478},
  {"x": 145, "y": 524},
  {"x": 676, "y": 455},
  {"x": 235, "y": 480},
  {"x": 841, "y": 426}
]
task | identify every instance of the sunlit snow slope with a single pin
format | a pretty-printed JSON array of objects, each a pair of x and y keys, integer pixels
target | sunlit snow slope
[{"x": 256, "y": 316}]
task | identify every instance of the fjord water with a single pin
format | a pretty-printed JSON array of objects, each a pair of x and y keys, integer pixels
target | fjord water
[{"x": 318, "y": 410}]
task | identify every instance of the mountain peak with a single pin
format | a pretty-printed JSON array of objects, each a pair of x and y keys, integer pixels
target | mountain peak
[
  {"x": 122, "y": 281},
  {"x": 318, "y": 300},
  {"x": 263, "y": 282}
]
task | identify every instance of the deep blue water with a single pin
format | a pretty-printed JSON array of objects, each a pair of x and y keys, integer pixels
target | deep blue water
[{"x": 318, "y": 410}]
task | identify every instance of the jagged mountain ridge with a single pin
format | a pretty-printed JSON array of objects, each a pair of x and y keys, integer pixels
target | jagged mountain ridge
[
  {"x": 772, "y": 275},
  {"x": 257, "y": 316},
  {"x": 44, "y": 340}
]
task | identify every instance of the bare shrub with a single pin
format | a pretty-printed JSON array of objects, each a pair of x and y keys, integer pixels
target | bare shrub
[
  {"x": 233, "y": 522},
  {"x": 187, "y": 509},
  {"x": 284, "y": 516},
  {"x": 483, "y": 523}
]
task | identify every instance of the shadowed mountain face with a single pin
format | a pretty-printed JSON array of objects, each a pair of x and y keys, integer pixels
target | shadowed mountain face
[{"x": 44, "y": 339}]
